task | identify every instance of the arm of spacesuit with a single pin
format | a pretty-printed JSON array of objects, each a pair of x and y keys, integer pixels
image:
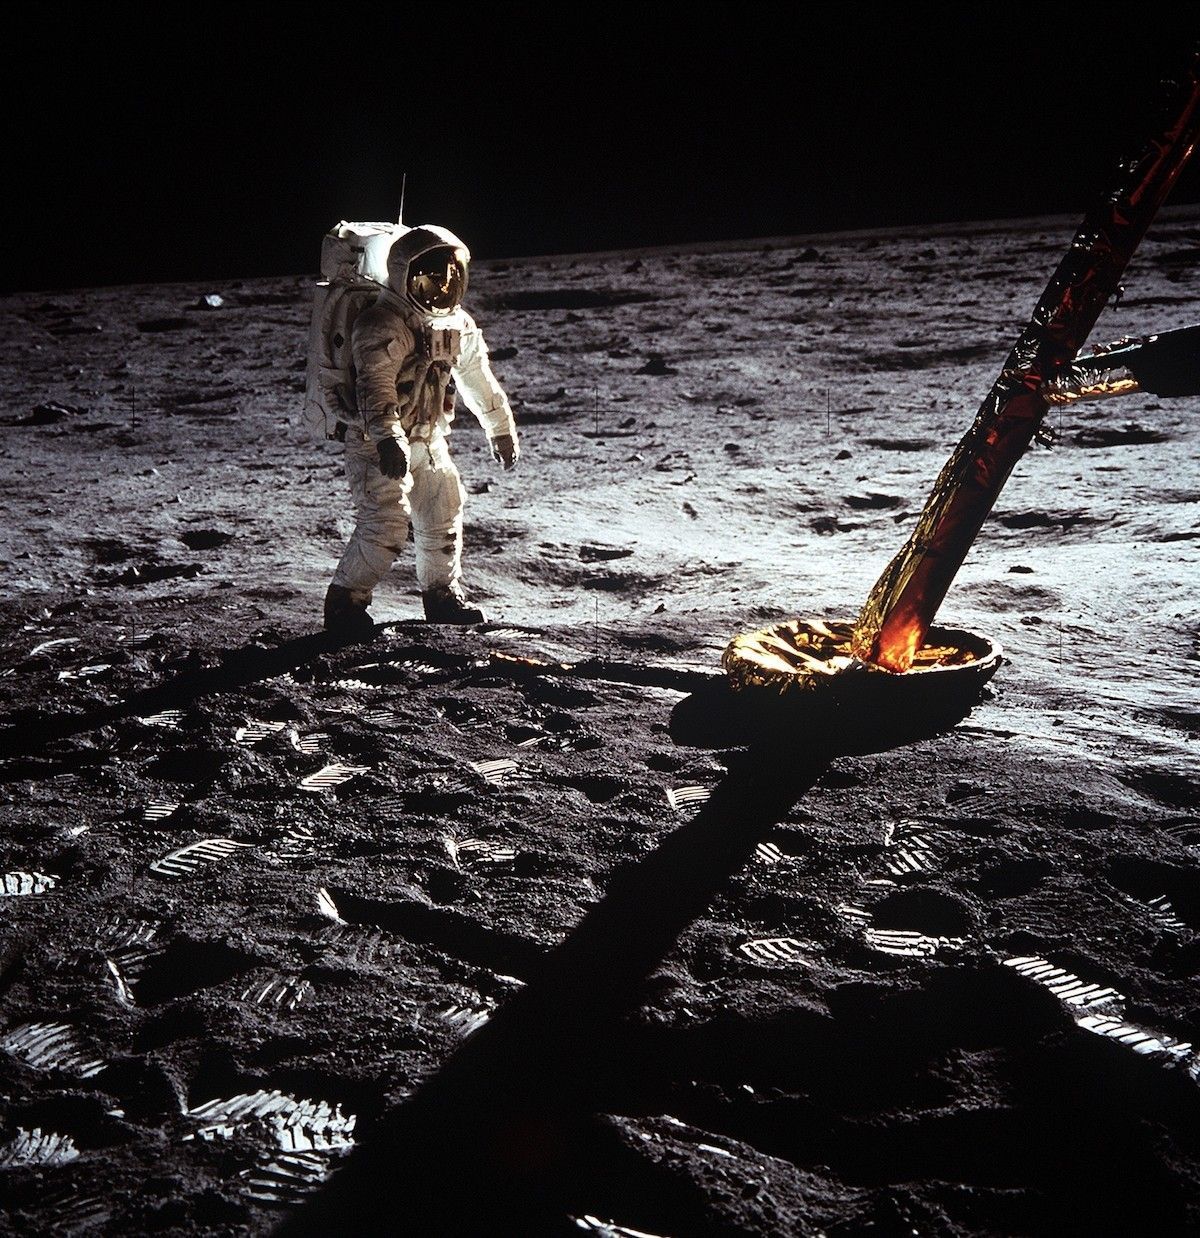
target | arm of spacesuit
[
  {"x": 379, "y": 349},
  {"x": 481, "y": 393}
]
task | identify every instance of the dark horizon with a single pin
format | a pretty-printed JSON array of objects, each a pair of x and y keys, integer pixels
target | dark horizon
[{"x": 227, "y": 150}]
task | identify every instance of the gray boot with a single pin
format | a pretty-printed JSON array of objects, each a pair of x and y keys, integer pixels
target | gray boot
[
  {"x": 446, "y": 604},
  {"x": 345, "y": 618}
]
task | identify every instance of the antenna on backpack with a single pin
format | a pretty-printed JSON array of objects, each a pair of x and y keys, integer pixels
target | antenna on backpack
[{"x": 403, "y": 185}]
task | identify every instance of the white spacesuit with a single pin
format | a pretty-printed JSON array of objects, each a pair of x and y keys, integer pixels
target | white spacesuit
[{"x": 412, "y": 349}]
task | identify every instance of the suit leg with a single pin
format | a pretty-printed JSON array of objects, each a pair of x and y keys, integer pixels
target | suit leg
[
  {"x": 382, "y": 506},
  {"x": 437, "y": 516}
]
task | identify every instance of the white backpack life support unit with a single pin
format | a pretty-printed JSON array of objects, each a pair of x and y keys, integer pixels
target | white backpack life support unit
[{"x": 353, "y": 269}]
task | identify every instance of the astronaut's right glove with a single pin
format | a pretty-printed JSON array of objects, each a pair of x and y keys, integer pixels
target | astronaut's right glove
[
  {"x": 505, "y": 451},
  {"x": 393, "y": 459}
]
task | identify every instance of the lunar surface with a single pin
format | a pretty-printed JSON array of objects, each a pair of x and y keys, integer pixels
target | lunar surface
[{"x": 419, "y": 936}]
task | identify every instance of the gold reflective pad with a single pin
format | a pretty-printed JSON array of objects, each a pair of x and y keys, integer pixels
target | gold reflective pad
[{"x": 807, "y": 654}]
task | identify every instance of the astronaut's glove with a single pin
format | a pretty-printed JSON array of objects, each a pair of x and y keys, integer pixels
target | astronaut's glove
[
  {"x": 393, "y": 459},
  {"x": 505, "y": 451}
]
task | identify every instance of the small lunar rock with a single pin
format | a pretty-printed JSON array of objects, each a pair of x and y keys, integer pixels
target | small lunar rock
[
  {"x": 186, "y": 861},
  {"x": 656, "y": 366},
  {"x": 684, "y": 797},
  {"x": 596, "y": 554},
  {"x": 872, "y": 501},
  {"x": 1022, "y": 569},
  {"x": 211, "y": 301},
  {"x": 15, "y": 884},
  {"x": 205, "y": 539},
  {"x": 168, "y": 717},
  {"x": 899, "y": 444},
  {"x": 48, "y": 414}
]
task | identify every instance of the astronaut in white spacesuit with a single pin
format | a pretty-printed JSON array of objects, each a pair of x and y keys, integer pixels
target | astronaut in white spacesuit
[{"x": 412, "y": 348}]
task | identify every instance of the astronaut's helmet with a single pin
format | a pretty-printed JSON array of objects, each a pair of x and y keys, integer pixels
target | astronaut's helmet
[
  {"x": 427, "y": 266},
  {"x": 437, "y": 280}
]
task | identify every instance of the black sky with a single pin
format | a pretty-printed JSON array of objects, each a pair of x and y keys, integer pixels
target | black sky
[{"x": 154, "y": 142}]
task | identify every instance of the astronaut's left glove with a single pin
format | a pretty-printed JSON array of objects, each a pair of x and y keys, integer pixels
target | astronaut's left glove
[
  {"x": 393, "y": 459},
  {"x": 505, "y": 451}
]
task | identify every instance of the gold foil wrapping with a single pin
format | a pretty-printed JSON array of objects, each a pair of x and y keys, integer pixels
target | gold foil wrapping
[
  {"x": 900, "y": 608},
  {"x": 1080, "y": 383},
  {"x": 805, "y": 655}
]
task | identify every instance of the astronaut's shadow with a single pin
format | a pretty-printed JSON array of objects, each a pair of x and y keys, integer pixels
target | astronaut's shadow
[
  {"x": 506, "y": 1136},
  {"x": 250, "y": 663}
]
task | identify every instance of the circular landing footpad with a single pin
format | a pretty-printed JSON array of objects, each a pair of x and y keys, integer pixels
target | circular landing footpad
[
  {"x": 798, "y": 681},
  {"x": 813, "y": 655}
]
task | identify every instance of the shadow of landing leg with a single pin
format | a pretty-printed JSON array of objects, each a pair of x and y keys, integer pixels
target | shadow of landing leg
[{"x": 503, "y": 1139}]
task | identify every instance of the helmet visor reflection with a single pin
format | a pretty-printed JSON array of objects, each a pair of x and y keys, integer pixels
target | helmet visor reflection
[{"x": 437, "y": 280}]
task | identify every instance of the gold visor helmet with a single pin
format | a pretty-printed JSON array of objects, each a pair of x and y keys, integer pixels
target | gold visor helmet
[{"x": 437, "y": 280}]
